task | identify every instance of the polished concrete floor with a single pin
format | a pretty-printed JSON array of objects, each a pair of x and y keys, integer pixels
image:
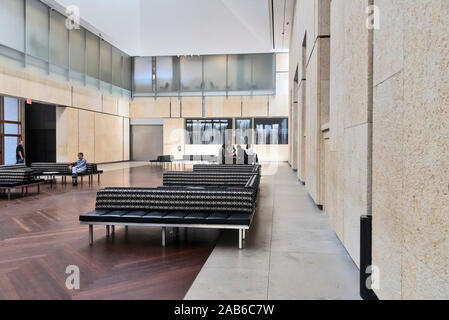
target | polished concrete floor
[{"x": 291, "y": 251}]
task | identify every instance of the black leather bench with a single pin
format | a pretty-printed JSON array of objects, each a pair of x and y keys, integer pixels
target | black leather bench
[
  {"x": 62, "y": 170},
  {"x": 179, "y": 206}
]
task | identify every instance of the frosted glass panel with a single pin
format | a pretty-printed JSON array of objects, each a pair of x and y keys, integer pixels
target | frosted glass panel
[
  {"x": 243, "y": 131},
  {"x": 11, "y": 109},
  {"x": 105, "y": 62},
  {"x": 167, "y": 74},
  {"x": 143, "y": 68},
  {"x": 116, "y": 66},
  {"x": 10, "y": 150},
  {"x": 127, "y": 72},
  {"x": 37, "y": 29},
  {"x": 11, "y": 128},
  {"x": 92, "y": 54},
  {"x": 215, "y": 73},
  {"x": 59, "y": 40},
  {"x": 191, "y": 73},
  {"x": 263, "y": 75},
  {"x": 239, "y": 72},
  {"x": 77, "y": 44},
  {"x": 12, "y": 24},
  {"x": 271, "y": 130}
]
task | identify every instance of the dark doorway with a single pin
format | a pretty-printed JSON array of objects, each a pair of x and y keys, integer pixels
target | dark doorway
[{"x": 40, "y": 133}]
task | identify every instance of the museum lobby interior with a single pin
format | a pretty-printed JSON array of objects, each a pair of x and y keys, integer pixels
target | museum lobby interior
[{"x": 224, "y": 150}]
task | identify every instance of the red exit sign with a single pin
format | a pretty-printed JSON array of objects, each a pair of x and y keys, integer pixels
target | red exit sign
[{"x": 28, "y": 101}]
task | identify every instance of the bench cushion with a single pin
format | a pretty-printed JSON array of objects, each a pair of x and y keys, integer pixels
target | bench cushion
[{"x": 166, "y": 217}]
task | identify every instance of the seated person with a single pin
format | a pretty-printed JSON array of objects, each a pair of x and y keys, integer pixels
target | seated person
[{"x": 77, "y": 167}]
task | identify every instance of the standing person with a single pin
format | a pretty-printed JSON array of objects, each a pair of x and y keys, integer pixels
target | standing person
[
  {"x": 221, "y": 155},
  {"x": 252, "y": 157},
  {"x": 77, "y": 167},
  {"x": 20, "y": 153},
  {"x": 241, "y": 155}
]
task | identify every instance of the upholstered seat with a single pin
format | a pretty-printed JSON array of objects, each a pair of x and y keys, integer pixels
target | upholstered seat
[{"x": 166, "y": 217}]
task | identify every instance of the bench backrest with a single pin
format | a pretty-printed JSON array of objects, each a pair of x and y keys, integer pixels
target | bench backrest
[
  {"x": 41, "y": 167},
  {"x": 13, "y": 167},
  {"x": 177, "y": 199},
  {"x": 61, "y": 167},
  {"x": 24, "y": 175},
  {"x": 206, "y": 178},
  {"x": 227, "y": 168}
]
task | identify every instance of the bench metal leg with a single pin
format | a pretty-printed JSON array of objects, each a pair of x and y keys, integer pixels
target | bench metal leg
[
  {"x": 113, "y": 229},
  {"x": 240, "y": 238},
  {"x": 91, "y": 234},
  {"x": 243, "y": 234},
  {"x": 38, "y": 188},
  {"x": 107, "y": 231},
  {"x": 163, "y": 236},
  {"x": 9, "y": 194}
]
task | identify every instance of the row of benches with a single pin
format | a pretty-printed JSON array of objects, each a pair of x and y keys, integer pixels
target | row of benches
[
  {"x": 22, "y": 177},
  {"x": 210, "y": 196}
]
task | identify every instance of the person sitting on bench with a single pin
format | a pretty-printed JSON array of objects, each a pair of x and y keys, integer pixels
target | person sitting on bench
[{"x": 77, "y": 167}]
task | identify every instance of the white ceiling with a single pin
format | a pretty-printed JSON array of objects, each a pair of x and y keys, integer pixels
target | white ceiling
[{"x": 184, "y": 27}]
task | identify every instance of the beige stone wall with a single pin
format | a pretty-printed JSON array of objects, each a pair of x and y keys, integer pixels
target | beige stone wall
[
  {"x": 411, "y": 149},
  {"x": 87, "y": 120},
  {"x": 311, "y": 30},
  {"x": 173, "y": 135},
  {"x": 400, "y": 174},
  {"x": 333, "y": 108},
  {"x": 101, "y": 137},
  {"x": 67, "y": 139},
  {"x": 222, "y": 107},
  {"x": 301, "y": 140}
]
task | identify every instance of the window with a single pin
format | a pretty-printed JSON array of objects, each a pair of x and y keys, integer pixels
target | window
[
  {"x": 271, "y": 130},
  {"x": 243, "y": 131},
  {"x": 215, "y": 73},
  {"x": 191, "y": 74},
  {"x": 12, "y": 24},
  {"x": 10, "y": 128},
  {"x": 37, "y": 29},
  {"x": 59, "y": 35},
  {"x": 33, "y": 27},
  {"x": 167, "y": 74},
  {"x": 208, "y": 131},
  {"x": 143, "y": 68}
]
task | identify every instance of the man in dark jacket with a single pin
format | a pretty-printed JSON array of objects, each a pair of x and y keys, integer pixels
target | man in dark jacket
[{"x": 20, "y": 153}]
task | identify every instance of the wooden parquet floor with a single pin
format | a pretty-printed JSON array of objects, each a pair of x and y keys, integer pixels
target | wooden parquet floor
[{"x": 40, "y": 236}]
